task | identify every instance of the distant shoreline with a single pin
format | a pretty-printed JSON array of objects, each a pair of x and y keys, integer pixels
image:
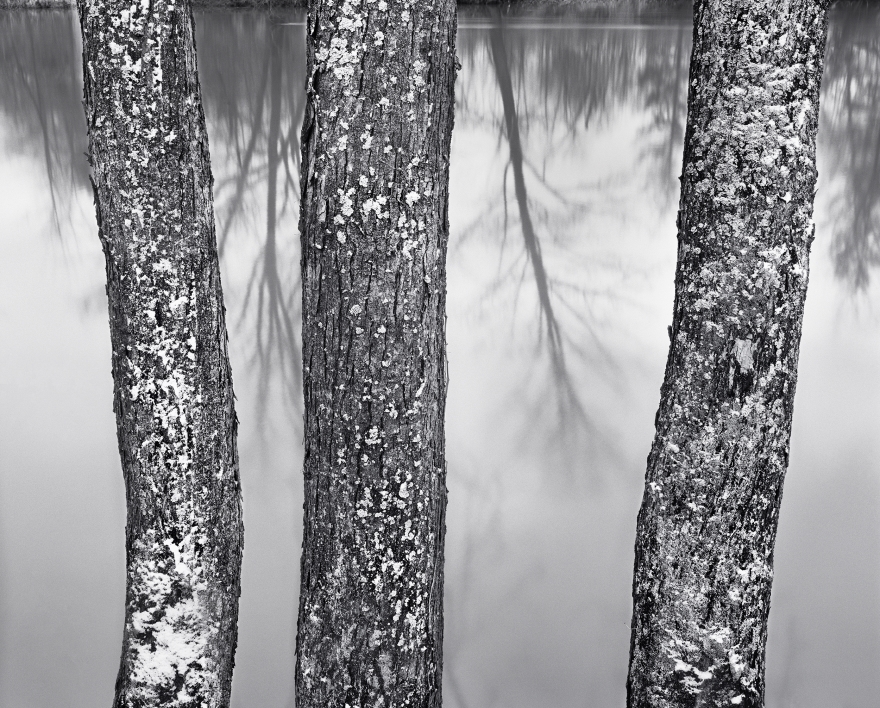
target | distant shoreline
[
  {"x": 600, "y": 5},
  {"x": 289, "y": 4},
  {"x": 608, "y": 5}
]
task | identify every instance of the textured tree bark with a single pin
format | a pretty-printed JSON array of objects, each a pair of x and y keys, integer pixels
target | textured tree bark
[
  {"x": 707, "y": 526},
  {"x": 374, "y": 227},
  {"x": 172, "y": 382}
]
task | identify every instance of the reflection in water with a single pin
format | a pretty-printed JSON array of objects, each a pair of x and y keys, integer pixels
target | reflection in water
[
  {"x": 41, "y": 98},
  {"x": 851, "y": 123},
  {"x": 663, "y": 86},
  {"x": 566, "y": 153},
  {"x": 252, "y": 69},
  {"x": 570, "y": 408}
]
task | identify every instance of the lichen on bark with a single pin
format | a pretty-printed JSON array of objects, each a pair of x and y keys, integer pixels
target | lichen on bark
[
  {"x": 173, "y": 395},
  {"x": 707, "y": 525},
  {"x": 374, "y": 232}
]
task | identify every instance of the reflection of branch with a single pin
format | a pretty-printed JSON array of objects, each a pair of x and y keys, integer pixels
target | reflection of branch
[
  {"x": 855, "y": 247},
  {"x": 532, "y": 243},
  {"x": 253, "y": 80},
  {"x": 675, "y": 130},
  {"x": 662, "y": 81},
  {"x": 40, "y": 92},
  {"x": 855, "y": 244},
  {"x": 275, "y": 335},
  {"x": 37, "y": 97},
  {"x": 244, "y": 165},
  {"x": 851, "y": 105}
]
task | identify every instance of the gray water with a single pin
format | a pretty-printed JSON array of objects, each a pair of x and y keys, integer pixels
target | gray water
[{"x": 551, "y": 397}]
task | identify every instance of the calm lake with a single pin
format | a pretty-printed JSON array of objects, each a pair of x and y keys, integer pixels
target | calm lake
[{"x": 558, "y": 308}]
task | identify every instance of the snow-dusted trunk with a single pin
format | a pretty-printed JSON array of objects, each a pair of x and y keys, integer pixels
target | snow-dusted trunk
[
  {"x": 707, "y": 526},
  {"x": 172, "y": 384},
  {"x": 374, "y": 231}
]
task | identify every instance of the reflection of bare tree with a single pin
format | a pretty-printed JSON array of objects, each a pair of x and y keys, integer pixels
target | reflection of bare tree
[
  {"x": 261, "y": 134},
  {"x": 582, "y": 68},
  {"x": 243, "y": 161},
  {"x": 41, "y": 92},
  {"x": 663, "y": 84},
  {"x": 550, "y": 83},
  {"x": 570, "y": 408},
  {"x": 851, "y": 126},
  {"x": 275, "y": 340},
  {"x": 566, "y": 71}
]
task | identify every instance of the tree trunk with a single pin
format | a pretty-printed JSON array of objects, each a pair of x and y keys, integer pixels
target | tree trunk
[
  {"x": 172, "y": 383},
  {"x": 374, "y": 231},
  {"x": 707, "y": 526}
]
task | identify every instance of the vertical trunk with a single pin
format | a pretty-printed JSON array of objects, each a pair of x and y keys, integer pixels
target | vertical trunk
[
  {"x": 374, "y": 231},
  {"x": 172, "y": 383},
  {"x": 707, "y": 526}
]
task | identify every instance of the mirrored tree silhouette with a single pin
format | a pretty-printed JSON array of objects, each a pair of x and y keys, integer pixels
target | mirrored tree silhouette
[
  {"x": 850, "y": 127},
  {"x": 663, "y": 87},
  {"x": 557, "y": 80},
  {"x": 254, "y": 79},
  {"x": 41, "y": 97}
]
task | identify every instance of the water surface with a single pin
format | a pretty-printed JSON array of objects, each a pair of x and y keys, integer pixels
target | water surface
[{"x": 566, "y": 152}]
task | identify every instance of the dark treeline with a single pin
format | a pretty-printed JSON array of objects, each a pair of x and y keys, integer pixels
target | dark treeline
[{"x": 614, "y": 5}]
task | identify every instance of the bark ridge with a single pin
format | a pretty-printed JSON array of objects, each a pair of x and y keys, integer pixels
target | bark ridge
[
  {"x": 173, "y": 395},
  {"x": 374, "y": 229},
  {"x": 707, "y": 525}
]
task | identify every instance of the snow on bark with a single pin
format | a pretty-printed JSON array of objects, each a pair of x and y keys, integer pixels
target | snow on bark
[
  {"x": 707, "y": 526},
  {"x": 374, "y": 232},
  {"x": 173, "y": 396}
]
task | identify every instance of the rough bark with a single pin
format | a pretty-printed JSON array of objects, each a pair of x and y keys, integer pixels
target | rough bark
[
  {"x": 707, "y": 526},
  {"x": 374, "y": 227},
  {"x": 172, "y": 383}
]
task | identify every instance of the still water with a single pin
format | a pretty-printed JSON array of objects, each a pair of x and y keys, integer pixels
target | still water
[{"x": 558, "y": 307}]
